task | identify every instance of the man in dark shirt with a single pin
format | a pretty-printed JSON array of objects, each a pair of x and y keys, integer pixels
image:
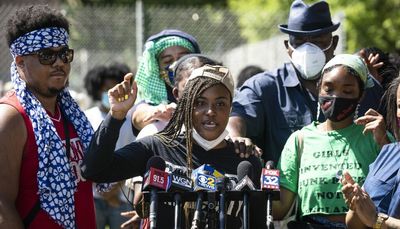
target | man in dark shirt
[{"x": 272, "y": 105}]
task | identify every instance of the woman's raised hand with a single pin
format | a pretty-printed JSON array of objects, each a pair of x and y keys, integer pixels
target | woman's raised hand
[
  {"x": 122, "y": 97},
  {"x": 375, "y": 123}
]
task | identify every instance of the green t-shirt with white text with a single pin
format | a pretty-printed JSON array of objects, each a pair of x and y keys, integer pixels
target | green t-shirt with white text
[{"x": 323, "y": 155}]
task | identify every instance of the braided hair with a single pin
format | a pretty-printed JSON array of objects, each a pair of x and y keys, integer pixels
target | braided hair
[
  {"x": 391, "y": 107},
  {"x": 183, "y": 115}
]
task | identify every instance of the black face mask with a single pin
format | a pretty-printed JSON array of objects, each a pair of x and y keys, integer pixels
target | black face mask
[{"x": 337, "y": 109}]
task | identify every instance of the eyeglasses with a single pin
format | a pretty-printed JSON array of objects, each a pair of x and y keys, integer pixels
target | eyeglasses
[{"x": 49, "y": 56}]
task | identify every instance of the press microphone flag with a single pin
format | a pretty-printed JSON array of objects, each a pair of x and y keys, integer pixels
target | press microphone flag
[
  {"x": 204, "y": 178},
  {"x": 179, "y": 182},
  {"x": 209, "y": 170},
  {"x": 270, "y": 183},
  {"x": 155, "y": 179},
  {"x": 270, "y": 177}
]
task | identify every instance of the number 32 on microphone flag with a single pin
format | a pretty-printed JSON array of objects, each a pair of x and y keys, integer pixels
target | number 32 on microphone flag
[{"x": 270, "y": 179}]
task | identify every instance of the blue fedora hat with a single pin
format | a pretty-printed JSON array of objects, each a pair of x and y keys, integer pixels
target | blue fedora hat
[{"x": 305, "y": 20}]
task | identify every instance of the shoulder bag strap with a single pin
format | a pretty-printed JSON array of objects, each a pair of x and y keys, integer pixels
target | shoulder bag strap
[
  {"x": 32, "y": 214},
  {"x": 300, "y": 147}
]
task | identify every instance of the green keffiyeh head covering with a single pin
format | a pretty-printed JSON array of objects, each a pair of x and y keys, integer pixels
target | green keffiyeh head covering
[{"x": 151, "y": 87}]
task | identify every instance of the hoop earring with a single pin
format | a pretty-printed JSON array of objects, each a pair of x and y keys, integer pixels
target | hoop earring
[{"x": 318, "y": 111}]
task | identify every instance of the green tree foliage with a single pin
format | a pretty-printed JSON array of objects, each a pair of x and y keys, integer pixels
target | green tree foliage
[
  {"x": 259, "y": 18},
  {"x": 371, "y": 23},
  {"x": 367, "y": 22},
  {"x": 219, "y": 3}
]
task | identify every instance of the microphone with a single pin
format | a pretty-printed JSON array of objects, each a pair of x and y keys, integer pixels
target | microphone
[
  {"x": 203, "y": 180},
  {"x": 245, "y": 175},
  {"x": 155, "y": 179},
  {"x": 223, "y": 184},
  {"x": 270, "y": 183},
  {"x": 178, "y": 183}
]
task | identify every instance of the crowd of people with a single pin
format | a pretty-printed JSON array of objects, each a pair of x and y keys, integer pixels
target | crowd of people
[{"x": 329, "y": 121}]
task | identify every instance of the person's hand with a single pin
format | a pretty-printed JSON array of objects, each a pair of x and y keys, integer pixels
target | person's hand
[
  {"x": 244, "y": 147},
  {"x": 161, "y": 112},
  {"x": 358, "y": 200},
  {"x": 133, "y": 222},
  {"x": 373, "y": 64},
  {"x": 375, "y": 123},
  {"x": 366, "y": 209},
  {"x": 349, "y": 189},
  {"x": 122, "y": 97}
]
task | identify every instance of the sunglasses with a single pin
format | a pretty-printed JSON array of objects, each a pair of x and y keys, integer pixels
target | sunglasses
[{"x": 49, "y": 56}]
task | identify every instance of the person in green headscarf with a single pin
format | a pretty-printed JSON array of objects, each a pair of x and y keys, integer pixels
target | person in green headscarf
[{"x": 152, "y": 78}]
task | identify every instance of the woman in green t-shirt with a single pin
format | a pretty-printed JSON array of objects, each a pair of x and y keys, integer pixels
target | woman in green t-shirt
[{"x": 314, "y": 157}]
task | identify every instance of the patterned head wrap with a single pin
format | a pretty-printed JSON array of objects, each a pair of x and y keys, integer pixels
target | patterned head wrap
[
  {"x": 56, "y": 180},
  {"x": 151, "y": 86}
]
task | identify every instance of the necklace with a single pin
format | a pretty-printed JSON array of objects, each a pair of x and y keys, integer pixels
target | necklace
[
  {"x": 339, "y": 173},
  {"x": 57, "y": 115}
]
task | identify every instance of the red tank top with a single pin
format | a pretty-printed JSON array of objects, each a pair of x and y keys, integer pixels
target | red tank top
[{"x": 28, "y": 186}]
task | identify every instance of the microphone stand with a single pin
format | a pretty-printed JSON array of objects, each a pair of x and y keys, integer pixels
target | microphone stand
[
  {"x": 178, "y": 211},
  {"x": 246, "y": 210},
  {"x": 222, "y": 209},
  {"x": 197, "y": 214},
  {"x": 270, "y": 219},
  {"x": 153, "y": 208}
]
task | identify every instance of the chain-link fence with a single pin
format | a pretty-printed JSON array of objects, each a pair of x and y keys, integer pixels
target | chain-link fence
[{"x": 105, "y": 34}]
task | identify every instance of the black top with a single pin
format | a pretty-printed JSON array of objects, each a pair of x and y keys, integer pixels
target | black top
[{"x": 102, "y": 164}]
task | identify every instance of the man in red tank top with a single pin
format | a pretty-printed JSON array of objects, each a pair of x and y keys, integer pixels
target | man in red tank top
[{"x": 43, "y": 133}]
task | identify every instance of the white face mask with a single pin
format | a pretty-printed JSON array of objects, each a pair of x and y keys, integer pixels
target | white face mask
[
  {"x": 308, "y": 59},
  {"x": 207, "y": 145}
]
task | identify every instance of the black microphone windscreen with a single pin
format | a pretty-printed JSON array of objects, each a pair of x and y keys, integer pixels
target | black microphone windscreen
[
  {"x": 270, "y": 165},
  {"x": 155, "y": 162},
  {"x": 245, "y": 168}
]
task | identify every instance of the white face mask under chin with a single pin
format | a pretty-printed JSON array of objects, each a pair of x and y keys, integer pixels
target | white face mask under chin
[
  {"x": 205, "y": 144},
  {"x": 308, "y": 59}
]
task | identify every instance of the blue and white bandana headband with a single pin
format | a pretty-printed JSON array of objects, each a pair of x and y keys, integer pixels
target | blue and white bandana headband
[{"x": 56, "y": 181}]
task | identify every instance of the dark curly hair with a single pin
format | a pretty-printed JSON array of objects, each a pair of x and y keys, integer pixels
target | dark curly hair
[
  {"x": 31, "y": 18},
  {"x": 96, "y": 77},
  {"x": 246, "y": 73}
]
